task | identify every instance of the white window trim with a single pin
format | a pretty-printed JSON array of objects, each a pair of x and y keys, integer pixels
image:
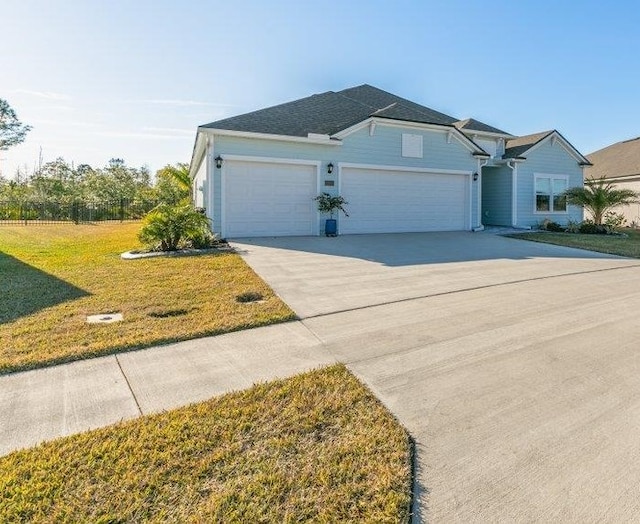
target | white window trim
[{"x": 551, "y": 177}]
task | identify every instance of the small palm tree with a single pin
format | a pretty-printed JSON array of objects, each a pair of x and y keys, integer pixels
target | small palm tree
[
  {"x": 180, "y": 174},
  {"x": 167, "y": 228},
  {"x": 599, "y": 196},
  {"x": 173, "y": 184}
]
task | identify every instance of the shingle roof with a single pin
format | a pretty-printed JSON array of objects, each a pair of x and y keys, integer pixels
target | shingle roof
[
  {"x": 516, "y": 147},
  {"x": 330, "y": 112},
  {"x": 471, "y": 124},
  {"x": 621, "y": 159},
  {"x": 399, "y": 111},
  {"x": 379, "y": 99}
]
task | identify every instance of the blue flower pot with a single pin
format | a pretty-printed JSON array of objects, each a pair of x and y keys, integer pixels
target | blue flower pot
[{"x": 331, "y": 227}]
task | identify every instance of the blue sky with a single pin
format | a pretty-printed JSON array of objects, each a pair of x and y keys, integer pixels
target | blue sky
[{"x": 133, "y": 79}]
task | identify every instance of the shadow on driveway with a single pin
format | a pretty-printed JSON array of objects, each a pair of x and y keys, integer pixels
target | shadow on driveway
[
  {"x": 25, "y": 290},
  {"x": 410, "y": 249},
  {"x": 319, "y": 275}
]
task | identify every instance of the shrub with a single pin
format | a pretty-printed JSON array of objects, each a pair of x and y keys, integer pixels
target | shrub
[
  {"x": 613, "y": 221},
  {"x": 202, "y": 239},
  {"x": 550, "y": 225},
  {"x": 167, "y": 228},
  {"x": 330, "y": 204},
  {"x": 573, "y": 227},
  {"x": 589, "y": 227}
]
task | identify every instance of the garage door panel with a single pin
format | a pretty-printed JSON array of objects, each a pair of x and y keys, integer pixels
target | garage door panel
[
  {"x": 269, "y": 199},
  {"x": 382, "y": 201}
]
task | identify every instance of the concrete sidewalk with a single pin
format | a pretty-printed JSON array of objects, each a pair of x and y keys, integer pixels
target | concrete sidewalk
[{"x": 47, "y": 403}]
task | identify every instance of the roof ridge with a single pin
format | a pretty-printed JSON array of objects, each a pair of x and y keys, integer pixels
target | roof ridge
[
  {"x": 404, "y": 102},
  {"x": 341, "y": 93},
  {"x": 385, "y": 108},
  {"x": 545, "y": 133}
]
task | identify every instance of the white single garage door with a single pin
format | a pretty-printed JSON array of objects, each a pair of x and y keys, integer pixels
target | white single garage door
[
  {"x": 383, "y": 201},
  {"x": 269, "y": 199}
]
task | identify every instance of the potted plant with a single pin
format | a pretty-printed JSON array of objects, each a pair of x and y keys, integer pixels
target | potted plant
[{"x": 331, "y": 204}]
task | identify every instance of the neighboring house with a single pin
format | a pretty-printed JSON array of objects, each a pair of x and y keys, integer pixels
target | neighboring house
[
  {"x": 620, "y": 165},
  {"x": 401, "y": 166}
]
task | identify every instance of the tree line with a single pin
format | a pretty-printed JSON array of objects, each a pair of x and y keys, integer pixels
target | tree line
[{"x": 63, "y": 182}]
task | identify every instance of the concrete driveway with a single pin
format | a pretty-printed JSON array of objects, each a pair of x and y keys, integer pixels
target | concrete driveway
[
  {"x": 517, "y": 372},
  {"x": 319, "y": 275}
]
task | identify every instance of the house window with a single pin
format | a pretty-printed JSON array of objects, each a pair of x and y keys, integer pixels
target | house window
[
  {"x": 549, "y": 193},
  {"x": 411, "y": 145}
]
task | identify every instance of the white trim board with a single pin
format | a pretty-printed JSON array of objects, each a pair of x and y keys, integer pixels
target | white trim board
[
  {"x": 385, "y": 167},
  {"x": 270, "y": 159},
  {"x": 200, "y": 148},
  {"x": 488, "y": 134},
  {"x": 211, "y": 180},
  {"x": 268, "y": 136}
]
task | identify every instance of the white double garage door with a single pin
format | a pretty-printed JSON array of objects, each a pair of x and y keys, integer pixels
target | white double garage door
[{"x": 276, "y": 199}]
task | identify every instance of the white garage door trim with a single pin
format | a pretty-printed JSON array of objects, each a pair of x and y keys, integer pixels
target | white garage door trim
[
  {"x": 229, "y": 159},
  {"x": 404, "y": 169}
]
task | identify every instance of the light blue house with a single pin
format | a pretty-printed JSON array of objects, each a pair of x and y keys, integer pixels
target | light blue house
[{"x": 402, "y": 167}]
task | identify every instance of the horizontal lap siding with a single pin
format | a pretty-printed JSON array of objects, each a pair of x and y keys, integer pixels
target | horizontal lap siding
[
  {"x": 546, "y": 159},
  {"x": 383, "y": 148},
  {"x": 438, "y": 153},
  {"x": 225, "y": 145},
  {"x": 632, "y": 211}
]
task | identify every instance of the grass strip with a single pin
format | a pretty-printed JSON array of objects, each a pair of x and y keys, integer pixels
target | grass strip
[
  {"x": 624, "y": 246},
  {"x": 316, "y": 447}
]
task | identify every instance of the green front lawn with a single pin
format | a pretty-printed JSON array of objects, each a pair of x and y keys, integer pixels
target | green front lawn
[
  {"x": 315, "y": 448},
  {"x": 625, "y": 246},
  {"x": 53, "y": 276}
]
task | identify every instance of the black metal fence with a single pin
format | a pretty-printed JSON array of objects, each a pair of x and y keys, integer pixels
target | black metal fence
[{"x": 77, "y": 212}]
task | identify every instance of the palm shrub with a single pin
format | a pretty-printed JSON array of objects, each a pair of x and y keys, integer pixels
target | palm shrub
[
  {"x": 168, "y": 228},
  {"x": 599, "y": 196},
  {"x": 173, "y": 184}
]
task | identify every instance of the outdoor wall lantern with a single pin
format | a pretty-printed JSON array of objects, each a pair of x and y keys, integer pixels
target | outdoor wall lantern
[
  {"x": 475, "y": 177},
  {"x": 218, "y": 160},
  {"x": 329, "y": 168}
]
